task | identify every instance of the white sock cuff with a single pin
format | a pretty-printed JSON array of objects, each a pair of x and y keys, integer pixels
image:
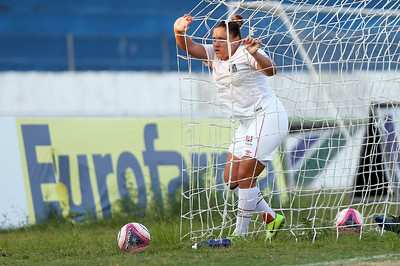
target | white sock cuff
[{"x": 248, "y": 194}]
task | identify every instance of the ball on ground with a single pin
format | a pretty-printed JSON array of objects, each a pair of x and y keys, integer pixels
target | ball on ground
[{"x": 133, "y": 238}]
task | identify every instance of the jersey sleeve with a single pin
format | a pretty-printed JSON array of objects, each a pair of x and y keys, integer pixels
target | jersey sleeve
[
  {"x": 253, "y": 61},
  {"x": 211, "y": 55}
]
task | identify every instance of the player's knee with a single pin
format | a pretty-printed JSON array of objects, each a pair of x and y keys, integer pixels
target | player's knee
[
  {"x": 230, "y": 178},
  {"x": 247, "y": 183},
  {"x": 246, "y": 178},
  {"x": 244, "y": 174}
]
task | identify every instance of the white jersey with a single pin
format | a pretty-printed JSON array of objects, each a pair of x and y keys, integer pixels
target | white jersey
[{"x": 241, "y": 89}]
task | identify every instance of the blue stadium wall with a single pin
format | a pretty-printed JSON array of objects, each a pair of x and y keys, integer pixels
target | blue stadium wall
[
  {"x": 106, "y": 34},
  {"x": 48, "y": 35}
]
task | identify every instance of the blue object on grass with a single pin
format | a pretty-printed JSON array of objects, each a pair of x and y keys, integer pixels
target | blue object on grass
[
  {"x": 213, "y": 243},
  {"x": 389, "y": 224}
]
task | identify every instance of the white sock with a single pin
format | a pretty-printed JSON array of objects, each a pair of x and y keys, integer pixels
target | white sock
[
  {"x": 262, "y": 207},
  {"x": 248, "y": 198}
]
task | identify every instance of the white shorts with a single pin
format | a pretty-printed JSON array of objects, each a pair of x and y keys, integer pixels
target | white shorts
[{"x": 261, "y": 136}]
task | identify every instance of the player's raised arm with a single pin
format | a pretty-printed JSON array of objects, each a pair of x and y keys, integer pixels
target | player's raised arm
[
  {"x": 181, "y": 25},
  {"x": 265, "y": 64}
]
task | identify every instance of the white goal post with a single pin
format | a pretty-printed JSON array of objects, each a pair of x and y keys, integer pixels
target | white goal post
[{"x": 339, "y": 80}]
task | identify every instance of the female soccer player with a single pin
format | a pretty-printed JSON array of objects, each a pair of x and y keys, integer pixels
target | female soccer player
[{"x": 240, "y": 71}]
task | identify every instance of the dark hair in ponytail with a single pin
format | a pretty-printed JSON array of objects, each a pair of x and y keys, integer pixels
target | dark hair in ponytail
[{"x": 233, "y": 26}]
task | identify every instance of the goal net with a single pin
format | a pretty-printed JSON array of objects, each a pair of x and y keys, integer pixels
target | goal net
[{"x": 338, "y": 78}]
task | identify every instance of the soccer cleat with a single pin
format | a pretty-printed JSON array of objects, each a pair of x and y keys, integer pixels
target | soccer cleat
[
  {"x": 274, "y": 226},
  {"x": 389, "y": 224}
]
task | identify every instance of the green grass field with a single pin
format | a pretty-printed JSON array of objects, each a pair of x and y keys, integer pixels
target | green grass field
[{"x": 94, "y": 243}]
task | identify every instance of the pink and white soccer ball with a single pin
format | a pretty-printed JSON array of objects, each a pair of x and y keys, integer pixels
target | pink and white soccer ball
[
  {"x": 133, "y": 237},
  {"x": 349, "y": 220}
]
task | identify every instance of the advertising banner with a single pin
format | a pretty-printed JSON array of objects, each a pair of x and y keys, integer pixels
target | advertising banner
[
  {"x": 88, "y": 168},
  {"x": 80, "y": 168}
]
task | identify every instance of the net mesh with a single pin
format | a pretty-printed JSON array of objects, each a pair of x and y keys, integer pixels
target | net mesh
[{"x": 338, "y": 79}]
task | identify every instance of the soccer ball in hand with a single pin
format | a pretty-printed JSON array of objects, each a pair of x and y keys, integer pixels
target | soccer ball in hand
[
  {"x": 349, "y": 220},
  {"x": 133, "y": 237}
]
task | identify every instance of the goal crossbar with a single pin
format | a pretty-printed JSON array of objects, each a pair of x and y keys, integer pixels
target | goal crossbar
[{"x": 276, "y": 5}]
